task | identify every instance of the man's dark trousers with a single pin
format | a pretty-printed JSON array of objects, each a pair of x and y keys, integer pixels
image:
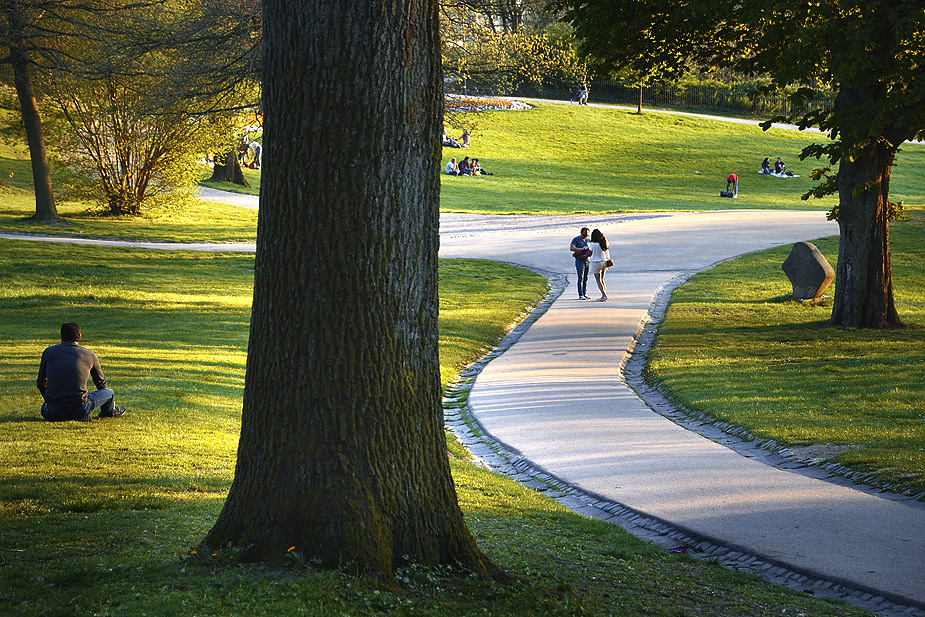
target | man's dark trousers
[
  {"x": 581, "y": 267},
  {"x": 102, "y": 399}
]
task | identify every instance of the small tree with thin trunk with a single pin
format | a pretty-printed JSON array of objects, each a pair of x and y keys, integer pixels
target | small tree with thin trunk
[
  {"x": 15, "y": 35},
  {"x": 342, "y": 455}
]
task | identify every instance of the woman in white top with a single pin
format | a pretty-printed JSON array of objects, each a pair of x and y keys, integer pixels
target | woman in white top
[{"x": 600, "y": 254}]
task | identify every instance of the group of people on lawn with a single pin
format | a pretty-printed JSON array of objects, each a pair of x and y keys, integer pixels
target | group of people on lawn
[
  {"x": 465, "y": 167},
  {"x": 779, "y": 166},
  {"x": 732, "y": 180},
  {"x": 462, "y": 142}
]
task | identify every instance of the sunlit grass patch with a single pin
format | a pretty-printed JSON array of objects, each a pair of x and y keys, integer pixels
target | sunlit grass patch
[
  {"x": 103, "y": 518},
  {"x": 479, "y": 299},
  {"x": 559, "y": 159},
  {"x": 199, "y": 222},
  {"x": 736, "y": 346}
]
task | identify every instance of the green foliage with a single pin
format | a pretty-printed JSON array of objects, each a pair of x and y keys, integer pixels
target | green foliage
[
  {"x": 129, "y": 151},
  {"x": 139, "y": 87},
  {"x": 480, "y": 57}
]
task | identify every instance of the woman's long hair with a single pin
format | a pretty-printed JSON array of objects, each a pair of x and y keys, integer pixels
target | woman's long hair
[{"x": 597, "y": 236}]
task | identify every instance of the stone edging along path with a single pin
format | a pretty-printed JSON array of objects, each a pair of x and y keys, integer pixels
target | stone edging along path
[
  {"x": 494, "y": 455},
  {"x": 730, "y": 435}
]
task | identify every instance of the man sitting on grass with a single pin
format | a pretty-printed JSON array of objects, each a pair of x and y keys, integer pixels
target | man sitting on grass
[{"x": 63, "y": 375}]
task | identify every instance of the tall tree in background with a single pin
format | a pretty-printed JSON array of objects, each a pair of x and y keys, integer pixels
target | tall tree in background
[
  {"x": 342, "y": 452},
  {"x": 871, "y": 52},
  {"x": 156, "y": 95},
  {"x": 18, "y": 35},
  {"x": 114, "y": 40}
]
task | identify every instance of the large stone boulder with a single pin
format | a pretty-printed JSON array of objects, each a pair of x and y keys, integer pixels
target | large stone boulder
[{"x": 809, "y": 271}]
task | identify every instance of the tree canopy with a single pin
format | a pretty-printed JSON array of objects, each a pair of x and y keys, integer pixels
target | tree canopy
[
  {"x": 166, "y": 56},
  {"x": 870, "y": 52}
]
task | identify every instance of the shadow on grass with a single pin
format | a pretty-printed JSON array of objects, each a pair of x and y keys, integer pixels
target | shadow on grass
[{"x": 71, "y": 494}]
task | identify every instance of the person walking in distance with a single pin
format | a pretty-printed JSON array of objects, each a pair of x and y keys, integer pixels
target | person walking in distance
[
  {"x": 63, "y": 374},
  {"x": 581, "y": 252},
  {"x": 600, "y": 261}
]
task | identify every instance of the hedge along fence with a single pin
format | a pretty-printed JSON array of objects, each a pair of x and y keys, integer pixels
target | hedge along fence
[
  {"x": 704, "y": 97},
  {"x": 709, "y": 97}
]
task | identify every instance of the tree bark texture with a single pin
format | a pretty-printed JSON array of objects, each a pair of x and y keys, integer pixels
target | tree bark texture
[
  {"x": 45, "y": 209},
  {"x": 342, "y": 452},
  {"x": 864, "y": 273}
]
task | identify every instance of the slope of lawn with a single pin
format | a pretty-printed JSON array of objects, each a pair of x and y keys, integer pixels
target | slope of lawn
[
  {"x": 558, "y": 159},
  {"x": 564, "y": 158},
  {"x": 100, "y": 519},
  {"x": 736, "y": 346},
  {"x": 552, "y": 159}
]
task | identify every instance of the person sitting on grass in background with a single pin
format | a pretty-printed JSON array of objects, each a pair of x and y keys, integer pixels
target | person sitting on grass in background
[
  {"x": 766, "y": 166},
  {"x": 464, "y": 169},
  {"x": 452, "y": 169},
  {"x": 481, "y": 172},
  {"x": 449, "y": 141},
  {"x": 63, "y": 374},
  {"x": 465, "y": 138},
  {"x": 779, "y": 166}
]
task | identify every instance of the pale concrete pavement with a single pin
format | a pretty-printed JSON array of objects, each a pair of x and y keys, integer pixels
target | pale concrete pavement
[{"x": 555, "y": 398}]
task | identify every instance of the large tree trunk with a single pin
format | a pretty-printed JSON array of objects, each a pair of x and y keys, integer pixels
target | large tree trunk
[
  {"x": 864, "y": 273},
  {"x": 342, "y": 452},
  {"x": 45, "y": 209}
]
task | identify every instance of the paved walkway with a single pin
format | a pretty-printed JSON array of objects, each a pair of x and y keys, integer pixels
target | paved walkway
[{"x": 555, "y": 398}]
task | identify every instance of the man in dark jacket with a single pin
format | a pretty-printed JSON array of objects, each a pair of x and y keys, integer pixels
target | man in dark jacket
[{"x": 62, "y": 380}]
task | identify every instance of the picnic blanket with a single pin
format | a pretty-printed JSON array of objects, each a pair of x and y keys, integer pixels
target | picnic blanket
[{"x": 777, "y": 175}]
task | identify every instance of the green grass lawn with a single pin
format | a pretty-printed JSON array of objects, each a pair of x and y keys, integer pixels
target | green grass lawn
[
  {"x": 736, "y": 346},
  {"x": 559, "y": 159},
  {"x": 100, "y": 518},
  {"x": 550, "y": 160}
]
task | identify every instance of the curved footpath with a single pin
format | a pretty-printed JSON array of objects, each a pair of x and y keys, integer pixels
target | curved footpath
[{"x": 556, "y": 398}]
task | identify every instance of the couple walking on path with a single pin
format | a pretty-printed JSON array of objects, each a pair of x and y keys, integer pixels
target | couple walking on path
[{"x": 591, "y": 255}]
